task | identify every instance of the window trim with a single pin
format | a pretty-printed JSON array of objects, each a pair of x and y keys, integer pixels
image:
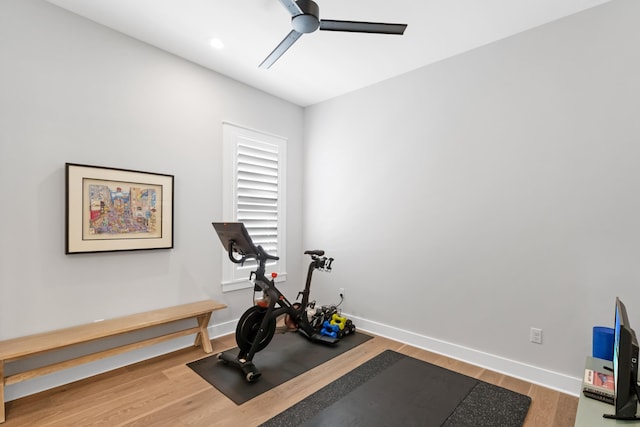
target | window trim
[{"x": 235, "y": 277}]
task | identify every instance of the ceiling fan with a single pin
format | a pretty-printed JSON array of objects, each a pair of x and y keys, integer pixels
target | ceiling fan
[{"x": 305, "y": 18}]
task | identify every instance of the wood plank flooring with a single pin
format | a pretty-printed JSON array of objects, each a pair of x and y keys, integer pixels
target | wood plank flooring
[{"x": 164, "y": 392}]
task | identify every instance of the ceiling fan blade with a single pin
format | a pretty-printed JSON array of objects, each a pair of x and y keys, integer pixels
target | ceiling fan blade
[
  {"x": 292, "y": 7},
  {"x": 280, "y": 49},
  {"x": 362, "y": 27}
]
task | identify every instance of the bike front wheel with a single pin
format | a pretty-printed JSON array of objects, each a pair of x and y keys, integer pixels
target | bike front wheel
[{"x": 249, "y": 327}]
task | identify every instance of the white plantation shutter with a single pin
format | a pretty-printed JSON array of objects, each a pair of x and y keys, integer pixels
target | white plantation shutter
[
  {"x": 257, "y": 193},
  {"x": 254, "y": 194}
]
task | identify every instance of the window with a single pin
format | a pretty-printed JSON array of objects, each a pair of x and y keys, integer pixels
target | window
[{"x": 254, "y": 193}]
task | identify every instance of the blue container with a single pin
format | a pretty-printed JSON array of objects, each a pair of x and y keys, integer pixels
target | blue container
[{"x": 603, "y": 342}]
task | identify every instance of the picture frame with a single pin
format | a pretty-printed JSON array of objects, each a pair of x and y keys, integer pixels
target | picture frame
[{"x": 110, "y": 209}]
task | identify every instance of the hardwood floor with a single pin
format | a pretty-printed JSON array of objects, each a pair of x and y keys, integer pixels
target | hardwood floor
[{"x": 164, "y": 392}]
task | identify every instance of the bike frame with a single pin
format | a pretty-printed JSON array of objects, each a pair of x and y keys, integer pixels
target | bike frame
[
  {"x": 254, "y": 333},
  {"x": 278, "y": 303}
]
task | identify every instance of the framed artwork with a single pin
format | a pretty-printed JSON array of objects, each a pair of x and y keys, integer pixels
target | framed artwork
[{"x": 109, "y": 209}]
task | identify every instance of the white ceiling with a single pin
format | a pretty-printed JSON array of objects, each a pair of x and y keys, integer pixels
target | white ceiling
[{"x": 323, "y": 64}]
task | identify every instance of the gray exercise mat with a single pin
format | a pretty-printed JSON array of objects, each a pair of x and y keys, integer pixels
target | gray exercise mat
[
  {"x": 287, "y": 356},
  {"x": 396, "y": 390}
]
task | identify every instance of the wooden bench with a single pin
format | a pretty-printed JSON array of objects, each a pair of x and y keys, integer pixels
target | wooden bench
[{"x": 24, "y": 347}]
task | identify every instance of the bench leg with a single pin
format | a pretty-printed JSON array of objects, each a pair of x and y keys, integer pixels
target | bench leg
[
  {"x": 202, "y": 337},
  {"x": 2, "y": 418}
]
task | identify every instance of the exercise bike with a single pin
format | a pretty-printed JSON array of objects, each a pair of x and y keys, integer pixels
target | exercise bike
[{"x": 257, "y": 325}]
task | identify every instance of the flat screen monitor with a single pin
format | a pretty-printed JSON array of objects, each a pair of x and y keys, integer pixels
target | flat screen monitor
[
  {"x": 235, "y": 238},
  {"x": 625, "y": 365}
]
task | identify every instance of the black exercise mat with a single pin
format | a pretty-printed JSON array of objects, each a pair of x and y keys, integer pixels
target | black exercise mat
[
  {"x": 287, "y": 356},
  {"x": 397, "y": 390}
]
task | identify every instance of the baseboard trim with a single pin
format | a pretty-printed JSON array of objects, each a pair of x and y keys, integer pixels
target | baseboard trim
[
  {"x": 543, "y": 377},
  {"x": 222, "y": 329}
]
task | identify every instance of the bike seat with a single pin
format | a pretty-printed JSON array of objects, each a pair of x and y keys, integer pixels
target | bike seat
[{"x": 316, "y": 252}]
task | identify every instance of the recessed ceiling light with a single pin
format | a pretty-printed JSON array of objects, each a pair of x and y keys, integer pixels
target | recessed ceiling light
[{"x": 216, "y": 43}]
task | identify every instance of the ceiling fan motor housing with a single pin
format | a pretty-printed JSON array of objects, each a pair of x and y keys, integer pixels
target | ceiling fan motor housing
[{"x": 309, "y": 20}]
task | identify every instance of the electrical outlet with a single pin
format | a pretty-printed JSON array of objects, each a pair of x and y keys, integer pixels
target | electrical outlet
[
  {"x": 341, "y": 292},
  {"x": 535, "y": 335}
]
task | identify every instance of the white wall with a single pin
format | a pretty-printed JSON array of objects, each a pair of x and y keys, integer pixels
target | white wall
[
  {"x": 463, "y": 202},
  {"x": 468, "y": 201},
  {"x": 74, "y": 91}
]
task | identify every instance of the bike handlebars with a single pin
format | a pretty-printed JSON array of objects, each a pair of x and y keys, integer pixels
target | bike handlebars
[
  {"x": 266, "y": 255},
  {"x": 262, "y": 256},
  {"x": 237, "y": 240},
  {"x": 231, "y": 250}
]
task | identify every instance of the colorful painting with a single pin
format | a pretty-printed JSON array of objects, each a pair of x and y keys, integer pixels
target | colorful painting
[
  {"x": 112, "y": 209},
  {"x": 123, "y": 210}
]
